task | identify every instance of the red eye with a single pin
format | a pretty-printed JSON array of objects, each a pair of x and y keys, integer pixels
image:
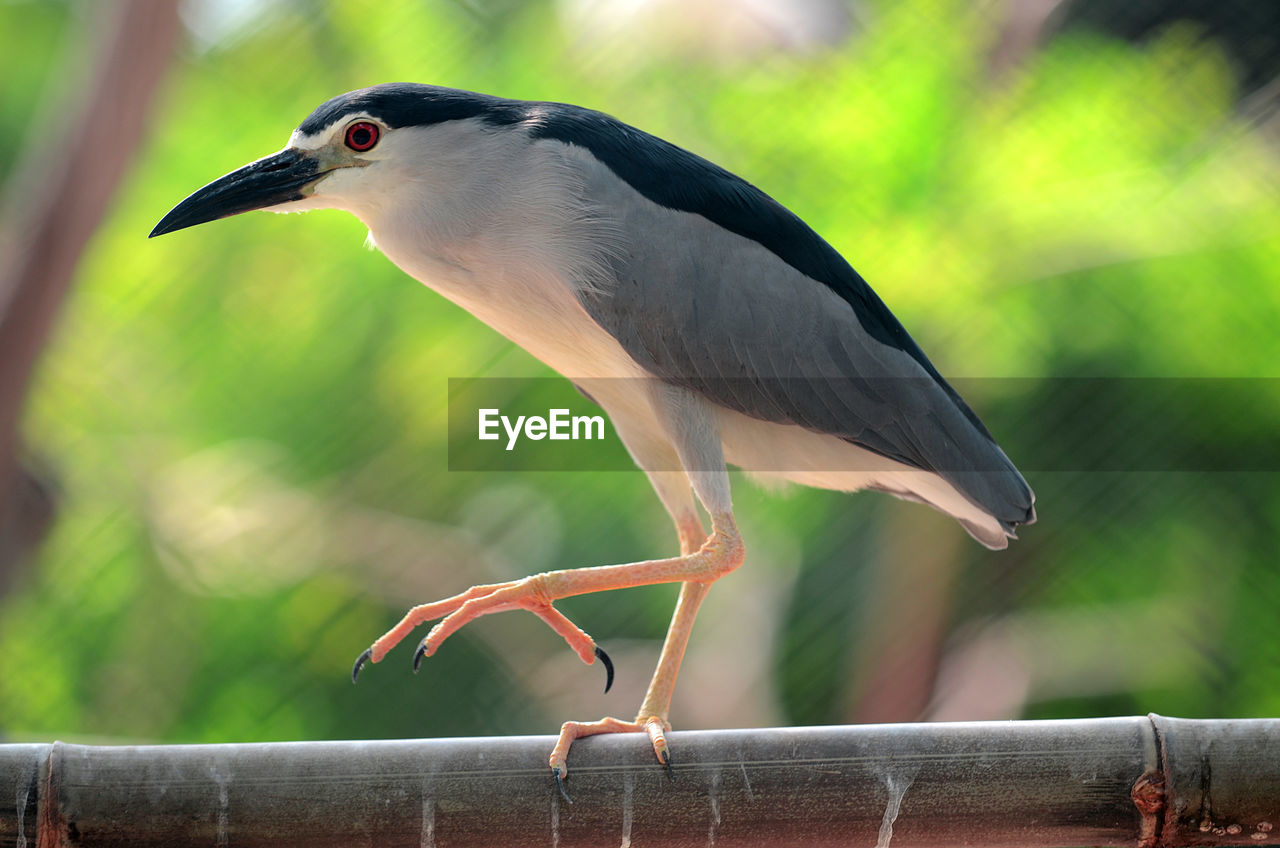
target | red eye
[{"x": 362, "y": 135}]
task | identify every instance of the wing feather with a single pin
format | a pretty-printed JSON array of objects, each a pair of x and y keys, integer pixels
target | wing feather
[{"x": 717, "y": 312}]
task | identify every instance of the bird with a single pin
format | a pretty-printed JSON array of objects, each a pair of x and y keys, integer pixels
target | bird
[{"x": 712, "y": 325}]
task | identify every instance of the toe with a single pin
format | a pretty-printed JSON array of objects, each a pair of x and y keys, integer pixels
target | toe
[{"x": 657, "y": 729}]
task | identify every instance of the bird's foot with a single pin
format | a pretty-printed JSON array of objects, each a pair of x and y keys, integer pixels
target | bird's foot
[
  {"x": 529, "y": 594},
  {"x": 656, "y": 726},
  {"x": 721, "y": 553}
]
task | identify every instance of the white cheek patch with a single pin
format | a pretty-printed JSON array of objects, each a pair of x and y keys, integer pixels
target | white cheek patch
[
  {"x": 301, "y": 141},
  {"x": 340, "y": 181}
]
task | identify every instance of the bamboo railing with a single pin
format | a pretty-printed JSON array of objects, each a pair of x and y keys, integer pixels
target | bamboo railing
[{"x": 1141, "y": 781}]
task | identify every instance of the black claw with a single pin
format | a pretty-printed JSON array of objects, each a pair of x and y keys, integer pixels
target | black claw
[
  {"x": 666, "y": 761},
  {"x": 360, "y": 661},
  {"x": 608, "y": 668},
  {"x": 560, "y": 785},
  {"x": 419, "y": 654}
]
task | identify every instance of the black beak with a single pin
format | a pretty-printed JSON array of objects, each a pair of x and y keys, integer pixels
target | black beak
[{"x": 275, "y": 179}]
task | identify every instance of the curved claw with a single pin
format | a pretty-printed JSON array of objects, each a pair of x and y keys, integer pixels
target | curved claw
[
  {"x": 560, "y": 784},
  {"x": 608, "y": 668},
  {"x": 419, "y": 654},
  {"x": 360, "y": 661},
  {"x": 666, "y": 761}
]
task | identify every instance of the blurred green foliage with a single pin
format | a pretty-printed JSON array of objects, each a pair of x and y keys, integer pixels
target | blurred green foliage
[{"x": 248, "y": 418}]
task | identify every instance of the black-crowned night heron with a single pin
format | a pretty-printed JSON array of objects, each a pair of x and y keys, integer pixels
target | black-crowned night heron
[{"x": 709, "y": 322}]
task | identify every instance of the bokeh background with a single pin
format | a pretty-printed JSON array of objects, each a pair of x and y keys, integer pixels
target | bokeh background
[{"x": 233, "y": 468}]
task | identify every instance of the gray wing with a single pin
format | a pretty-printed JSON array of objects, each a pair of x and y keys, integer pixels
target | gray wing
[
  {"x": 724, "y": 291},
  {"x": 720, "y": 314},
  {"x": 709, "y": 311}
]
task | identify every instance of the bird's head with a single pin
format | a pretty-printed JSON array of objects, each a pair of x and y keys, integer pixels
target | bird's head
[{"x": 352, "y": 152}]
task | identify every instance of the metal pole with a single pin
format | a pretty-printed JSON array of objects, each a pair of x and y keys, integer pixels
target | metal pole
[{"x": 1141, "y": 781}]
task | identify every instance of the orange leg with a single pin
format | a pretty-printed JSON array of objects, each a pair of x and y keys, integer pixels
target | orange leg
[
  {"x": 721, "y": 553},
  {"x": 702, "y": 561},
  {"x": 652, "y": 717}
]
